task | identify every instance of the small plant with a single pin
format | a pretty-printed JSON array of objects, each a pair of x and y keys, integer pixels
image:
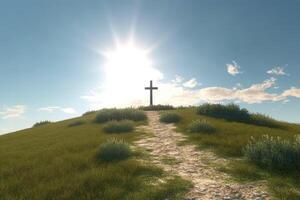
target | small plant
[
  {"x": 274, "y": 153},
  {"x": 76, "y": 123},
  {"x": 201, "y": 126},
  {"x": 123, "y": 126},
  {"x": 120, "y": 114},
  {"x": 169, "y": 117},
  {"x": 113, "y": 150},
  {"x": 41, "y": 123},
  {"x": 157, "y": 107}
]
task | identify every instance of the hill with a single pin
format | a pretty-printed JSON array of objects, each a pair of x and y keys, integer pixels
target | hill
[{"x": 59, "y": 160}]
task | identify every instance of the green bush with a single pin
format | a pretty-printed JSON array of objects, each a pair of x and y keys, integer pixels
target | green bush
[
  {"x": 263, "y": 120},
  {"x": 201, "y": 126},
  {"x": 230, "y": 112},
  {"x": 76, "y": 123},
  {"x": 169, "y": 117},
  {"x": 113, "y": 150},
  {"x": 120, "y": 114},
  {"x": 41, "y": 123},
  {"x": 157, "y": 107},
  {"x": 233, "y": 112},
  {"x": 274, "y": 153},
  {"x": 123, "y": 126}
]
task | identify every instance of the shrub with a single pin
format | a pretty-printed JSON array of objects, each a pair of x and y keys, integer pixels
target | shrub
[
  {"x": 120, "y": 114},
  {"x": 201, "y": 126},
  {"x": 89, "y": 112},
  {"x": 157, "y": 107},
  {"x": 263, "y": 120},
  {"x": 41, "y": 123},
  {"x": 169, "y": 117},
  {"x": 123, "y": 126},
  {"x": 113, "y": 150},
  {"x": 230, "y": 112},
  {"x": 76, "y": 123},
  {"x": 274, "y": 153}
]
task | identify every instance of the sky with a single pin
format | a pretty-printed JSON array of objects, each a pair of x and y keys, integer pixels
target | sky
[{"x": 61, "y": 58}]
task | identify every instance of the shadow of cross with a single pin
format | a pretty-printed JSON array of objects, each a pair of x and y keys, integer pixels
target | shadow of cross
[{"x": 151, "y": 88}]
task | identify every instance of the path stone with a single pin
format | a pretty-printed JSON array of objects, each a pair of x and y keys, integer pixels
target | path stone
[{"x": 191, "y": 164}]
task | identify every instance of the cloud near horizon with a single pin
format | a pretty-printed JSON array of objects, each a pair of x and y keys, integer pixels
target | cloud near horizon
[
  {"x": 278, "y": 71},
  {"x": 175, "y": 93},
  {"x": 13, "y": 111}
]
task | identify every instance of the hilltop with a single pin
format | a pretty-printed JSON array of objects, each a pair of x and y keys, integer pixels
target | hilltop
[{"x": 61, "y": 160}]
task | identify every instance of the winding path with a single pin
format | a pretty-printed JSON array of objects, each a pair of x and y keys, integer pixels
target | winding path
[{"x": 194, "y": 165}]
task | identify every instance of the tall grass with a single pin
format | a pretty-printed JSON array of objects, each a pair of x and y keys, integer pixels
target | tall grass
[
  {"x": 113, "y": 150},
  {"x": 233, "y": 112},
  {"x": 41, "y": 123},
  {"x": 120, "y": 114},
  {"x": 169, "y": 117},
  {"x": 201, "y": 126},
  {"x": 274, "y": 153},
  {"x": 122, "y": 126}
]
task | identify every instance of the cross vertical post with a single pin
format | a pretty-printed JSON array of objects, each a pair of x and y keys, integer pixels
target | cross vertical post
[{"x": 151, "y": 88}]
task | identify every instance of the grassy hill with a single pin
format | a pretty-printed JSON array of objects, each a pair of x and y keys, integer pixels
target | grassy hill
[{"x": 59, "y": 160}]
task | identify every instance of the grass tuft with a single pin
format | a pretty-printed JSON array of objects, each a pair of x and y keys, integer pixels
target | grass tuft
[
  {"x": 41, "y": 123},
  {"x": 274, "y": 153},
  {"x": 123, "y": 126},
  {"x": 169, "y": 117},
  {"x": 201, "y": 126},
  {"x": 114, "y": 150},
  {"x": 89, "y": 112},
  {"x": 120, "y": 114}
]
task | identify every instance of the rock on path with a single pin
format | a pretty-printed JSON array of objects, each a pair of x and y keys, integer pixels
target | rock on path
[{"x": 194, "y": 165}]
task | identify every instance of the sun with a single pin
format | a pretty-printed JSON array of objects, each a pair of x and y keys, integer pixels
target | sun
[{"x": 127, "y": 69}]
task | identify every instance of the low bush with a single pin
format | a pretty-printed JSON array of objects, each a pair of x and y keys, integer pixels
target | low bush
[
  {"x": 120, "y": 114},
  {"x": 123, "y": 126},
  {"x": 41, "y": 123},
  {"x": 113, "y": 150},
  {"x": 169, "y": 117},
  {"x": 157, "y": 107},
  {"x": 274, "y": 153},
  {"x": 201, "y": 126},
  {"x": 76, "y": 123},
  {"x": 230, "y": 112}
]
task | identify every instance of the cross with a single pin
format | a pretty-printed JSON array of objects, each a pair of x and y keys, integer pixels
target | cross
[{"x": 151, "y": 95}]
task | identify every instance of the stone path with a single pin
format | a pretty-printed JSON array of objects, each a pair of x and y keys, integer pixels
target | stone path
[{"x": 194, "y": 165}]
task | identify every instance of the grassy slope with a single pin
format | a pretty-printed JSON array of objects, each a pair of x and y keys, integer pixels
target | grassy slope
[
  {"x": 58, "y": 162},
  {"x": 229, "y": 141}
]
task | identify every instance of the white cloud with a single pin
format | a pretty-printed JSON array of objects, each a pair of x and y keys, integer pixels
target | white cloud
[
  {"x": 279, "y": 71},
  {"x": 190, "y": 83},
  {"x": 233, "y": 68},
  {"x": 293, "y": 92},
  {"x": 178, "y": 79},
  {"x": 51, "y": 109},
  {"x": 13, "y": 111}
]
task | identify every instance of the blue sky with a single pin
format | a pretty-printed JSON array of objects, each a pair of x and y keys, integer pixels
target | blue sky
[{"x": 52, "y": 64}]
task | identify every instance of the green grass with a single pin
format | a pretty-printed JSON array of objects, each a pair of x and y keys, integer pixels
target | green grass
[
  {"x": 201, "y": 126},
  {"x": 58, "y": 162},
  {"x": 157, "y": 107},
  {"x": 229, "y": 141},
  {"x": 41, "y": 123},
  {"x": 114, "y": 150},
  {"x": 76, "y": 123},
  {"x": 123, "y": 126}
]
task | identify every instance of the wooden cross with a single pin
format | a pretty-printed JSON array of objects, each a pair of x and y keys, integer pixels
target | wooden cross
[{"x": 151, "y": 88}]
